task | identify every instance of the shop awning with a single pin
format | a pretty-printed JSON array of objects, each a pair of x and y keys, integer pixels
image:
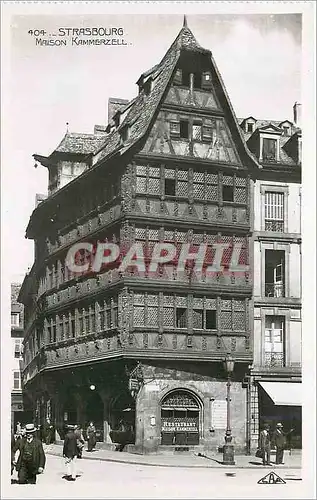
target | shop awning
[{"x": 284, "y": 393}]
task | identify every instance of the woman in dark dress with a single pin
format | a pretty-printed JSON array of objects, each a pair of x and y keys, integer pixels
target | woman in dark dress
[{"x": 91, "y": 436}]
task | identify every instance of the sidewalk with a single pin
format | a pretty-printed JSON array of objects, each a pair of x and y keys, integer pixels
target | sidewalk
[{"x": 177, "y": 460}]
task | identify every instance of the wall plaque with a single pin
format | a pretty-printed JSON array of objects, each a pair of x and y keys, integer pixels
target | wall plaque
[{"x": 219, "y": 414}]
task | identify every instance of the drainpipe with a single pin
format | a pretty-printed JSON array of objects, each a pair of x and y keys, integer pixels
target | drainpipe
[{"x": 249, "y": 419}]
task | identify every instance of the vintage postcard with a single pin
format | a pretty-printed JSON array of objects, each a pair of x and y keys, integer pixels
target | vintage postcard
[{"x": 158, "y": 297}]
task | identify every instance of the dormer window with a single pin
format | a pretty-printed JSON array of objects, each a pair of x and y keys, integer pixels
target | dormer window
[
  {"x": 269, "y": 145},
  {"x": 286, "y": 127},
  {"x": 248, "y": 124},
  {"x": 269, "y": 149}
]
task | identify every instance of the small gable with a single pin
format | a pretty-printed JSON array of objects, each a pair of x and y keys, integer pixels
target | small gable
[{"x": 270, "y": 129}]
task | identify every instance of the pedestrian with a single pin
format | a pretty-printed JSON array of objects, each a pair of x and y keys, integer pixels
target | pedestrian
[
  {"x": 18, "y": 429},
  {"x": 31, "y": 459},
  {"x": 279, "y": 442},
  {"x": 80, "y": 440},
  {"x": 20, "y": 436},
  {"x": 48, "y": 431},
  {"x": 70, "y": 452},
  {"x": 265, "y": 445},
  {"x": 91, "y": 436}
]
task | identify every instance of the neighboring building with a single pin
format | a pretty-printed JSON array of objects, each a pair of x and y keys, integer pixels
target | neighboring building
[
  {"x": 147, "y": 347},
  {"x": 17, "y": 407},
  {"x": 276, "y": 374}
]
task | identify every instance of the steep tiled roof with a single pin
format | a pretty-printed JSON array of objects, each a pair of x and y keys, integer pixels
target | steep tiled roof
[
  {"x": 79, "y": 143},
  {"x": 284, "y": 157},
  {"x": 139, "y": 117}
]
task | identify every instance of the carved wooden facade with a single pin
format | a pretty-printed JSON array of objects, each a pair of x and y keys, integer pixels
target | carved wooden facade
[{"x": 187, "y": 180}]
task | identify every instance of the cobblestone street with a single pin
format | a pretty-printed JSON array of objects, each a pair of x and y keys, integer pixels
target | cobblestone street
[{"x": 100, "y": 479}]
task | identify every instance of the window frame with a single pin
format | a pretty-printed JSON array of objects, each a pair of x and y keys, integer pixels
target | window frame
[
  {"x": 166, "y": 181},
  {"x": 183, "y": 121},
  {"x": 274, "y": 188},
  {"x": 281, "y": 265},
  {"x": 275, "y": 246},
  {"x": 283, "y": 342},
  {"x": 250, "y": 125},
  {"x": 223, "y": 187},
  {"x": 179, "y": 319},
  {"x": 17, "y": 379},
  {"x": 17, "y": 316},
  {"x": 197, "y": 126},
  {"x": 269, "y": 141},
  {"x": 18, "y": 342},
  {"x": 274, "y": 208},
  {"x": 272, "y": 136}
]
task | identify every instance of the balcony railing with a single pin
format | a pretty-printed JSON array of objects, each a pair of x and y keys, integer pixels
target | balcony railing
[
  {"x": 274, "y": 290},
  {"x": 274, "y": 225},
  {"x": 274, "y": 359}
]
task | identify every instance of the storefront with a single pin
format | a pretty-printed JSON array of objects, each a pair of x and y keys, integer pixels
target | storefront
[
  {"x": 281, "y": 402},
  {"x": 180, "y": 419}
]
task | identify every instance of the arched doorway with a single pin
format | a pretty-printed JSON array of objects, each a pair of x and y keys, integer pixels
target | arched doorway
[
  {"x": 122, "y": 411},
  {"x": 122, "y": 419},
  {"x": 180, "y": 419},
  {"x": 94, "y": 412}
]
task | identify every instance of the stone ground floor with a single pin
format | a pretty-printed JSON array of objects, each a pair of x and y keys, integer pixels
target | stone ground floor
[
  {"x": 151, "y": 406},
  {"x": 97, "y": 479}
]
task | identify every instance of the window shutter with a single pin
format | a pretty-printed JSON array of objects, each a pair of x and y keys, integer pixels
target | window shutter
[
  {"x": 206, "y": 82},
  {"x": 178, "y": 77}
]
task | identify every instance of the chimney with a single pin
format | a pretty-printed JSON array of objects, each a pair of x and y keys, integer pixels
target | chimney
[
  {"x": 297, "y": 109},
  {"x": 114, "y": 104}
]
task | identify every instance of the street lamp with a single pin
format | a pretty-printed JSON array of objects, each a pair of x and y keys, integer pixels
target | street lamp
[{"x": 228, "y": 448}]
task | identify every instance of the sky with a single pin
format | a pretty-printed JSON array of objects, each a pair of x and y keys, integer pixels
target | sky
[{"x": 259, "y": 58}]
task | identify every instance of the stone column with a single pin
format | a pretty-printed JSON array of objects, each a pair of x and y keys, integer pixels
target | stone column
[{"x": 139, "y": 424}]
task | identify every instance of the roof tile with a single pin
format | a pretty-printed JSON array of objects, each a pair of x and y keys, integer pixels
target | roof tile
[{"x": 79, "y": 143}]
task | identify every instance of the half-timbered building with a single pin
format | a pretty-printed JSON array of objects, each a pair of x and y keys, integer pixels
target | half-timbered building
[{"x": 146, "y": 348}]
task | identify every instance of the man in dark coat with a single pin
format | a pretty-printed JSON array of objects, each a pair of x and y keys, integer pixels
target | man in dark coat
[
  {"x": 80, "y": 440},
  {"x": 70, "y": 451},
  {"x": 279, "y": 441},
  {"x": 265, "y": 445},
  {"x": 31, "y": 459},
  {"x": 48, "y": 431}
]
